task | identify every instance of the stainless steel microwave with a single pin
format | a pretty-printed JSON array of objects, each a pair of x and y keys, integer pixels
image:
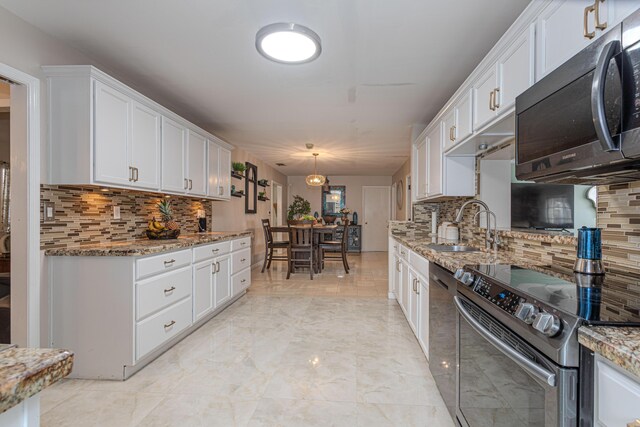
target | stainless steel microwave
[{"x": 580, "y": 124}]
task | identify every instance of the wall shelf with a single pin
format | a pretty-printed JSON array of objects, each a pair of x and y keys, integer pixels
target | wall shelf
[
  {"x": 237, "y": 194},
  {"x": 237, "y": 175}
]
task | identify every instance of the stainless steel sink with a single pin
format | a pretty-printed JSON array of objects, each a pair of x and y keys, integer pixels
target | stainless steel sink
[{"x": 452, "y": 248}]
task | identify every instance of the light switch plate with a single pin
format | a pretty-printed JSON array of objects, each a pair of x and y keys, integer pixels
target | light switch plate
[
  {"x": 116, "y": 212},
  {"x": 48, "y": 211}
]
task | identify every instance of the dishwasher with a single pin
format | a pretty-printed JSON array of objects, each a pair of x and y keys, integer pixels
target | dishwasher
[{"x": 442, "y": 333}]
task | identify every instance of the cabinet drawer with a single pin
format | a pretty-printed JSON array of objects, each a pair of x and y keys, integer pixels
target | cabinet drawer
[
  {"x": 240, "y": 260},
  {"x": 200, "y": 253},
  {"x": 162, "y": 326},
  {"x": 617, "y": 400},
  {"x": 419, "y": 264},
  {"x": 243, "y": 243},
  {"x": 240, "y": 281},
  {"x": 403, "y": 252},
  {"x": 160, "y": 263},
  {"x": 161, "y": 291}
]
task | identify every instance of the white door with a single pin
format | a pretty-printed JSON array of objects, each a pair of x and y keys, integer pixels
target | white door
[
  {"x": 197, "y": 164},
  {"x": 277, "y": 210},
  {"x": 434, "y": 156},
  {"x": 173, "y": 156},
  {"x": 214, "y": 189},
  {"x": 224, "y": 175},
  {"x": 449, "y": 129},
  {"x": 202, "y": 289},
  {"x": 464, "y": 108},
  {"x": 412, "y": 315},
  {"x": 516, "y": 69},
  {"x": 561, "y": 33},
  {"x": 376, "y": 213},
  {"x": 222, "y": 280},
  {"x": 421, "y": 186},
  {"x": 483, "y": 91},
  {"x": 144, "y": 150},
  {"x": 423, "y": 317},
  {"x": 111, "y": 136}
]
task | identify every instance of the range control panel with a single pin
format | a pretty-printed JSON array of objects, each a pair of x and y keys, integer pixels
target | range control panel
[{"x": 506, "y": 300}]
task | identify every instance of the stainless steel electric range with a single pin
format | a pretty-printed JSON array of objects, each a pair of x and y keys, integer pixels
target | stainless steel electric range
[{"x": 519, "y": 360}]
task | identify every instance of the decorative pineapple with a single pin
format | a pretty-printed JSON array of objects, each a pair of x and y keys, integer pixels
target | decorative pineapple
[{"x": 167, "y": 215}]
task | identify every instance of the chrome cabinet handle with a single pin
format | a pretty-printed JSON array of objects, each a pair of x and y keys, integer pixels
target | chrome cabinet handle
[
  {"x": 215, "y": 250},
  {"x": 220, "y": 190},
  {"x": 186, "y": 184},
  {"x": 243, "y": 280},
  {"x": 243, "y": 260},
  {"x": 190, "y": 185},
  {"x": 496, "y": 94},
  {"x": 531, "y": 367},
  {"x": 130, "y": 173},
  {"x": 243, "y": 243},
  {"x": 596, "y": 14},
  {"x": 417, "y": 286},
  {"x": 491, "y": 95},
  {"x": 168, "y": 263},
  {"x": 218, "y": 267},
  {"x": 597, "y": 96},
  {"x": 398, "y": 266},
  {"x": 585, "y": 24},
  {"x": 170, "y": 324},
  {"x": 135, "y": 174},
  {"x": 169, "y": 290},
  {"x": 453, "y": 133}
]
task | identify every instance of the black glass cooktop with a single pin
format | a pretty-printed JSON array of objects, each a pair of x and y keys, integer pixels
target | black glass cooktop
[{"x": 612, "y": 298}]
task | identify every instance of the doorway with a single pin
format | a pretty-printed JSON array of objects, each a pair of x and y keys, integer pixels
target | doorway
[
  {"x": 376, "y": 213},
  {"x": 277, "y": 208},
  {"x": 22, "y": 256},
  {"x": 5, "y": 254}
]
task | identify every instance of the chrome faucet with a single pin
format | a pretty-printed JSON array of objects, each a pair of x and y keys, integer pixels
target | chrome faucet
[{"x": 489, "y": 239}]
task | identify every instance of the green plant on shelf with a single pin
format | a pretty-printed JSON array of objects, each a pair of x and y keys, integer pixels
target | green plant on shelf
[{"x": 238, "y": 167}]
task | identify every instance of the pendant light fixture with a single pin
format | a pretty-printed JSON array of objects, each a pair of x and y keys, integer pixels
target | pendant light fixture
[{"x": 315, "y": 180}]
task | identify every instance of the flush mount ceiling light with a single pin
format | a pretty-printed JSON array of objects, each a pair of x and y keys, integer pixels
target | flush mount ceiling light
[
  {"x": 315, "y": 180},
  {"x": 288, "y": 43}
]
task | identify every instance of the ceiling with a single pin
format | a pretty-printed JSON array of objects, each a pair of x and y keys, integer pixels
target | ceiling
[{"x": 386, "y": 65}]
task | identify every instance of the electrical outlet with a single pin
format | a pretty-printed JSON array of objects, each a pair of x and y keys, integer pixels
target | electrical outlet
[
  {"x": 48, "y": 211},
  {"x": 116, "y": 212}
]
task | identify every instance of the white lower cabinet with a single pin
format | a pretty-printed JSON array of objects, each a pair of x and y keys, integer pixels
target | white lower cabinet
[
  {"x": 617, "y": 395},
  {"x": 118, "y": 313},
  {"x": 410, "y": 281}
]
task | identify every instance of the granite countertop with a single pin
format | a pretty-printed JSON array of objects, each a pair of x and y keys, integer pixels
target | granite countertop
[
  {"x": 454, "y": 260},
  {"x": 27, "y": 371},
  {"x": 146, "y": 246},
  {"x": 620, "y": 345}
]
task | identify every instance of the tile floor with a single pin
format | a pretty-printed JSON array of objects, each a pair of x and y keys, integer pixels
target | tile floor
[{"x": 332, "y": 352}]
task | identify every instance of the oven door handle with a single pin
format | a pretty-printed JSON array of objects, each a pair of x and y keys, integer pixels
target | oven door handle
[
  {"x": 526, "y": 364},
  {"x": 597, "y": 96}
]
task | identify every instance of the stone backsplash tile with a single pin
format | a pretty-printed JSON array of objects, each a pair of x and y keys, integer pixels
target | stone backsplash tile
[{"x": 84, "y": 215}]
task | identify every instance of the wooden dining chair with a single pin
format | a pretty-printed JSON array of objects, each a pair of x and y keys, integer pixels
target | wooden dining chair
[
  {"x": 270, "y": 245},
  {"x": 330, "y": 247},
  {"x": 301, "y": 249}
]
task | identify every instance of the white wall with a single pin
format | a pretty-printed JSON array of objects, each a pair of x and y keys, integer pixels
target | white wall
[{"x": 354, "y": 184}]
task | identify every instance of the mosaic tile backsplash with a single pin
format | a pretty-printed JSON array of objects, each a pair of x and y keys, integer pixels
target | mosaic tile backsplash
[{"x": 84, "y": 215}]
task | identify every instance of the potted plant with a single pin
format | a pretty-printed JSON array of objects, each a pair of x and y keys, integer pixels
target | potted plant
[
  {"x": 238, "y": 168},
  {"x": 299, "y": 212}
]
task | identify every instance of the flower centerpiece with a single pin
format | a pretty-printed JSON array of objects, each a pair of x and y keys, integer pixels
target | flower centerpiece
[{"x": 345, "y": 214}]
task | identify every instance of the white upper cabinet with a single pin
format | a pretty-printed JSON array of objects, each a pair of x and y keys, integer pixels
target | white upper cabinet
[
  {"x": 563, "y": 31},
  {"x": 144, "y": 150},
  {"x": 515, "y": 70},
  {"x": 102, "y": 132},
  {"x": 464, "y": 116},
  {"x": 434, "y": 156},
  {"x": 420, "y": 183},
  {"x": 196, "y": 164},
  {"x": 219, "y": 172},
  {"x": 484, "y": 91},
  {"x": 450, "y": 128},
  {"x": 112, "y": 115},
  {"x": 174, "y": 139}
]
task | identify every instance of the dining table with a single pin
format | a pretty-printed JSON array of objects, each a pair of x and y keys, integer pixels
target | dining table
[{"x": 319, "y": 230}]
